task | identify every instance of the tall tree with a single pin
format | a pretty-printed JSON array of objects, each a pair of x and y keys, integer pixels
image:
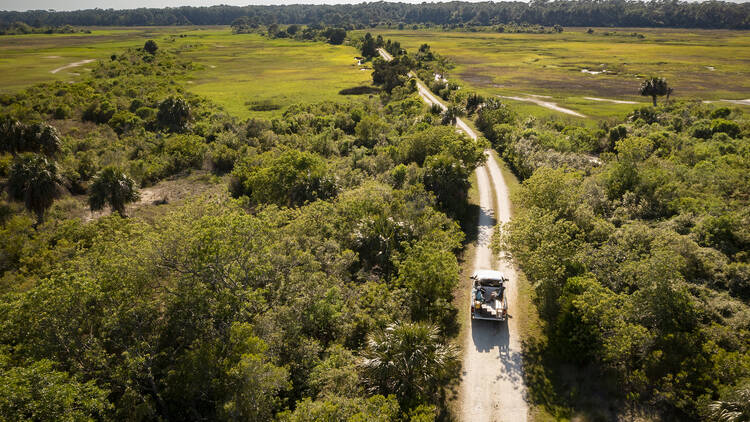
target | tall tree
[
  {"x": 655, "y": 87},
  {"x": 114, "y": 188},
  {"x": 368, "y": 46},
  {"x": 150, "y": 47}
]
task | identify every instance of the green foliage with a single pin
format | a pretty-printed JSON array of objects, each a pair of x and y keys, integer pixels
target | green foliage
[
  {"x": 368, "y": 47},
  {"x": 114, "y": 188},
  {"x": 290, "y": 178},
  {"x": 725, "y": 126},
  {"x": 494, "y": 113},
  {"x": 340, "y": 409},
  {"x": 174, "y": 114},
  {"x": 99, "y": 112},
  {"x": 39, "y": 392},
  {"x": 429, "y": 273},
  {"x": 370, "y": 131},
  {"x": 252, "y": 381},
  {"x": 409, "y": 361},
  {"x": 391, "y": 74},
  {"x": 735, "y": 407},
  {"x": 655, "y": 87},
  {"x": 35, "y": 181},
  {"x": 636, "y": 262},
  {"x": 150, "y": 47},
  {"x": 335, "y": 35},
  {"x": 16, "y": 137},
  {"x": 219, "y": 309}
]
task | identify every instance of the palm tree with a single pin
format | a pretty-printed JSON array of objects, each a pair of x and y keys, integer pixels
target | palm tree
[
  {"x": 114, "y": 188},
  {"x": 35, "y": 181},
  {"x": 736, "y": 408},
  {"x": 11, "y": 135},
  {"x": 410, "y": 361},
  {"x": 451, "y": 114},
  {"x": 653, "y": 87},
  {"x": 48, "y": 140},
  {"x": 16, "y": 137}
]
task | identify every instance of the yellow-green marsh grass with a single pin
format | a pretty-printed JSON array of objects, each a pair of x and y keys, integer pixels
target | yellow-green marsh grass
[
  {"x": 247, "y": 68},
  {"x": 26, "y": 60},
  {"x": 232, "y": 70},
  {"x": 703, "y": 64}
]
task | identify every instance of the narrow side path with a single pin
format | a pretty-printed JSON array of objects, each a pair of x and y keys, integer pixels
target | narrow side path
[{"x": 74, "y": 64}]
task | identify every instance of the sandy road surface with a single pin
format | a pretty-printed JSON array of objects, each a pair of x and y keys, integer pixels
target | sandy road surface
[
  {"x": 546, "y": 104},
  {"x": 492, "y": 386},
  {"x": 68, "y": 66},
  {"x": 609, "y": 100}
]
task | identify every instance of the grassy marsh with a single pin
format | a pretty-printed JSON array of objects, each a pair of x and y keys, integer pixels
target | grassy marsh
[
  {"x": 703, "y": 64},
  {"x": 236, "y": 71}
]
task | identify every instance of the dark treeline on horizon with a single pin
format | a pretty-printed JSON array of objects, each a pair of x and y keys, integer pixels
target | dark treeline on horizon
[{"x": 712, "y": 14}]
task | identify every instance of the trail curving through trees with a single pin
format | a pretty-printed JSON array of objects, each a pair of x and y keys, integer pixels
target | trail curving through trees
[{"x": 492, "y": 383}]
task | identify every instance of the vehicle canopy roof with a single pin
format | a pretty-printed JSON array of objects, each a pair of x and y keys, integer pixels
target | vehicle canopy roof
[{"x": 489, "y": 277}]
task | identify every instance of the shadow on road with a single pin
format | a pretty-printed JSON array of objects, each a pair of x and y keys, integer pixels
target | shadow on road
[{"x": 494, "y": 338}]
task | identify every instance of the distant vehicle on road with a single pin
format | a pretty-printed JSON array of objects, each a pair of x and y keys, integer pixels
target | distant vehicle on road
[{"x": 488, "y": 299}]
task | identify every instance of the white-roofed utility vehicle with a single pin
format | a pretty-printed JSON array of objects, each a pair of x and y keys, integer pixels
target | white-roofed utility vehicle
[{"x": 488, "y": 296}]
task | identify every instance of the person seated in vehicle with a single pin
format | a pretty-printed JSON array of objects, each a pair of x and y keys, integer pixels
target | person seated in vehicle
[
  {"x": 480, "y": 295},
  {"x": 493, "y": 296}
]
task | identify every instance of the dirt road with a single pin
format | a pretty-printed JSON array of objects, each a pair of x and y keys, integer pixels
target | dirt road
[
  {"x": 492, "y": 386},
  {"x": 74, "y": 64},
  {"x": 546, "y": 104}
]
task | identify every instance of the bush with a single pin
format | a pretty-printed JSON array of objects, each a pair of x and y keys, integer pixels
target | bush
[
  {"x": 61, "y": 112},
  {"x": 183, "y": 152},
  {"x": 721, "y": 113},
  {"x": 725, "y": 126},
  {"x": 222, "y": 158},
  {"x": 150, "y": 47},
  {"x": 124, "y": 121},
  {"x": 174, "y": 114},
  {"x": 290, "y": 178},
  {"x": 701, "y": 129},
  {"x": 99, "y": 112}
]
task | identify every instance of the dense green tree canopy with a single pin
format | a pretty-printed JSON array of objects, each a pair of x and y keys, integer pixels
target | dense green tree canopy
[{"x": 584, "y": 13}]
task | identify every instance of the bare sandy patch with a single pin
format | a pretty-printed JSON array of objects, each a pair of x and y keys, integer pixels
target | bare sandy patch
[
  {"x": 546, "y": 104},
  {"x": 51, "y": 57},
  {"x": 740, "y": 102},
  {"x": 609, "y": 100},
  {"x": 74, "y": 64}
]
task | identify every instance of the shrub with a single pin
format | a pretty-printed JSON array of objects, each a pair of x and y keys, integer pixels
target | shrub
[
  {"x": 721, "y": 113},
  {"x": 290, "y": 178},
  {"x": 183, "y": 152},
  {"x": 61, "y": 112},
  {"x": 701, "y": 129},
  {"x": 222, "y": 158},
  {"x": 99, "y": 112},
  {"x": 725, "y": 126},
  {"x": 150, "y": 47},
  {"x": 124, "y": 121},
  {"x": 174, "y": 114}
]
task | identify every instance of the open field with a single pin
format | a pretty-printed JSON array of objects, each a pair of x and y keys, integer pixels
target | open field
[
  {"x": 30, "y": 59},
  {"x": 231, "y": 69},
  {"x": 704, "y": 64},
  {"x": 249, "y": 68}
]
